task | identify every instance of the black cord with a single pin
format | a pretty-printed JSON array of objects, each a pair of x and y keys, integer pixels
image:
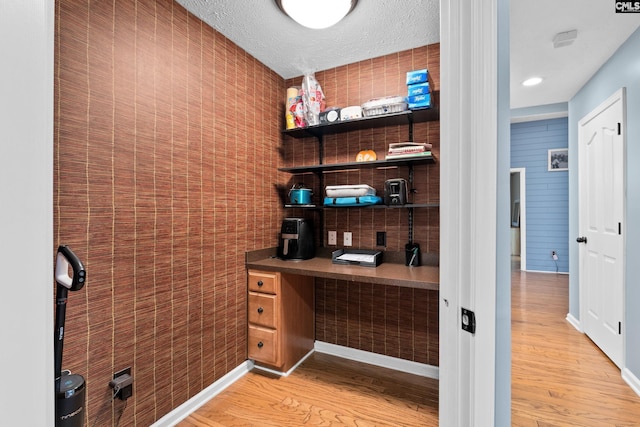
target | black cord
[
  {"x": 121, "y": 412},
  {"x": 107, "y": 405}
]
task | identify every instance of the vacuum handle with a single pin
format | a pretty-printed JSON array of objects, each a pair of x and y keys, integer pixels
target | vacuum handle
[{"x": 66, "y": 258}]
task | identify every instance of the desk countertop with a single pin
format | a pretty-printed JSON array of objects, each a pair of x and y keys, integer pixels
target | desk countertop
[{"x": 387, "y": 273}]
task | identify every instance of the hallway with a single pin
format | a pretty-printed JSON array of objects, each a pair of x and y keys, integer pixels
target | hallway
[{"x": 559, "y": 377}]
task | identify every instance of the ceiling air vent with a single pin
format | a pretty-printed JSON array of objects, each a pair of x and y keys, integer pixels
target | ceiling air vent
[{"x": 564, "y": 39}]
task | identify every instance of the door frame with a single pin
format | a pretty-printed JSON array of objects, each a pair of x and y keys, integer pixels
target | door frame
[
  {"x": 523, "y": 216},
  {"x": 474, "y": 256},
  {"x": 26, "y": 225}
]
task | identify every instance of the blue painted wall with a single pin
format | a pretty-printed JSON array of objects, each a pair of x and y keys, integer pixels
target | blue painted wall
[
  {"x": 547, "y": 193},
  {"x": 621, "y": 70}
]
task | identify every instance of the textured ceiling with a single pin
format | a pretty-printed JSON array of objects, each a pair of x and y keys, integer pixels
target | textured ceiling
[
  {"x": 380, "y": 27},
  {"x": 374, "y": 28},
  {"x": 564, "y": 70}
]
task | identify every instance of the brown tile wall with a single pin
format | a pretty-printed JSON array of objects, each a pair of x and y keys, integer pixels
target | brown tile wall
[
  {"x": 382, "y": 319},
  {"x": 166, "y": 151}
]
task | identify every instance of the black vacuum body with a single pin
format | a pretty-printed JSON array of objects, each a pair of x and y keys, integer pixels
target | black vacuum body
[{"x": 69, "y": 388}]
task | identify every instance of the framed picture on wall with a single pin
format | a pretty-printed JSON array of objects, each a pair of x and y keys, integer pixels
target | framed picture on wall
[{"x": 558, "y": 160}]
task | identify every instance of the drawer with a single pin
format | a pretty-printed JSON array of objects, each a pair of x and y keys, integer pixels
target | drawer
[
  {"x": 262, "y": 309},
  {"x": 263, "y": 345},
  {"x": 262, "y": 282}
]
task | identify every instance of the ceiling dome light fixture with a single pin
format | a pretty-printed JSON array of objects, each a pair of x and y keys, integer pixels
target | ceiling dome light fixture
[
  {"x": 316, "y": 14},
  {"x": 532, "y": 81}
]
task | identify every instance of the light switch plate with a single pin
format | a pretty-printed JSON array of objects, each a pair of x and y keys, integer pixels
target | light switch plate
[
  {"x": 332, "y": 238},
  {"x": 347, "y": 236}
]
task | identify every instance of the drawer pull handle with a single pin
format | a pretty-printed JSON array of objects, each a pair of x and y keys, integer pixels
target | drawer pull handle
[
  {"x": 260, "y": 344},
  {"x": 260, "y": 283},
  {"x": 260, "y": 310}
]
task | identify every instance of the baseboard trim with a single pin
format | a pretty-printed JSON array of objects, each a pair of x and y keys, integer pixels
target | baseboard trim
[
  {"x": 284, "y": 374},
  {"x": 395, "y": 363},
  {"x": 546, "y": 271},
  {"x": 191, "y": 405},
  {"x": 574, "y": 322},
  {"x": 632, "y": 380}
]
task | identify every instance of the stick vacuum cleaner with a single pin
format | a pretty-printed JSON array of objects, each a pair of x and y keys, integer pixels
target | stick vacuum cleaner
[{"x": 69, "y": 388}]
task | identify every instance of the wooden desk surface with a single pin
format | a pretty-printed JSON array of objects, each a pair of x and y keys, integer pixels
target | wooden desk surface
[{"x": 422, "y": 277}]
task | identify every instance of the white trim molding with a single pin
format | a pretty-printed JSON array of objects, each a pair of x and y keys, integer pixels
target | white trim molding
[
  {"x": 191, "y": 405},
  {"x": 574, "y": 322},
  {"x": 375, "y": 359},
  {"x": 632, "y": 380},
  {"x": 469, "y": 113}
]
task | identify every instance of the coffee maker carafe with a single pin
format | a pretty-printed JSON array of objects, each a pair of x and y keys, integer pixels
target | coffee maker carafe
[{"x": 296, "y": 239}]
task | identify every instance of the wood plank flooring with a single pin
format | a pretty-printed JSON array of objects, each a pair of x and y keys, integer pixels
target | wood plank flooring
[
  {"x": 559, "y": 378},
  {"x": 326, "y": 391}
]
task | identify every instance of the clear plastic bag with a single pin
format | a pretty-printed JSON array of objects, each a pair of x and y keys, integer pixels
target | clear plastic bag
[{"x": 312, "y": 99}]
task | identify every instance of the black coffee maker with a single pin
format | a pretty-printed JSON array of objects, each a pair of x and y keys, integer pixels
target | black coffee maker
[{"x": 296, "y": 239}]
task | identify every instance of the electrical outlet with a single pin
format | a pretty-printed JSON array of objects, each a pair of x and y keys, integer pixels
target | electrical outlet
[
  {"x": 122, "y": 382},
  {"x": 347, "y": 238},
  {"x": 332, "y": 238},
  {"x": 554, "y": 255},
  {"x": 381, "y": 238}
]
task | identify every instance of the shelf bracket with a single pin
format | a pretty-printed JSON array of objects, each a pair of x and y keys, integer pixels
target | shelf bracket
[
  {"x": 411, "y": 209},
  {"x": 410, "y": 118}
]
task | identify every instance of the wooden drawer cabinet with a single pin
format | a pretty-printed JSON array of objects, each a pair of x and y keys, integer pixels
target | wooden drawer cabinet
[
  {"x": 281, "y": 318},
  {"x": 262, "y": 309},
  {"x": 263, "y": 344}
]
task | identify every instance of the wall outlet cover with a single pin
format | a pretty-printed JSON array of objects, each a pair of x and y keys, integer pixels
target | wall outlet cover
[
  {"x": 332, "y": 238},
  {"x": 347, "y": 238}
]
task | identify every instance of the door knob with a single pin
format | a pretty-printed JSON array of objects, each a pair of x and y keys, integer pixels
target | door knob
[{"x": 581, "y": 239}]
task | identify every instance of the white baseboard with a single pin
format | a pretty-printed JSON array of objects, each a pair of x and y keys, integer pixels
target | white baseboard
[
  {"x": 285, "y": 374},
  {"x": 632, "y": 380},
  {"x": 627, "y": 375},
  {"x": 402, "y": 365},
  {"x": 574, "y": 322},
  {"x": 545, "y": 271},
  {"x": 191, "y": 405}
]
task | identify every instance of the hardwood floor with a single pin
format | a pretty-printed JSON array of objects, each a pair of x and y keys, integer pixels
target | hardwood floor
[
  {"x": 559, "y": 378},
  {"x": 324, "y": 390}
]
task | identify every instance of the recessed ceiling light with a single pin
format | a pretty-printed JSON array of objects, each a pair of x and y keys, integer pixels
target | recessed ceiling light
[
  {"x": 316, "y": 14},
  {"x": 532, "y": 81}
]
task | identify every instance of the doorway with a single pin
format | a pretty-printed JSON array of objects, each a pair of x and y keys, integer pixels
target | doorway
[{"x": 518, "y": 218}]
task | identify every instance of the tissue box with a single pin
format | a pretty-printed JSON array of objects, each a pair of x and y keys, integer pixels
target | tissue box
[
  {"x": 419, "y": 101},
  {"x": 350, "y": 113},
  {"x": 417, "y": 76},
  {"x": 418, "y": 89}
]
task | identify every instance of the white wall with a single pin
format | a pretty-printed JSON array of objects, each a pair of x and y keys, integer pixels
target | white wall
[{"x": 26, "y": 215}]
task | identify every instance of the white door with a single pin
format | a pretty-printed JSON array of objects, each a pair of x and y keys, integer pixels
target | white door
[{"x": 601, "y": 225}]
